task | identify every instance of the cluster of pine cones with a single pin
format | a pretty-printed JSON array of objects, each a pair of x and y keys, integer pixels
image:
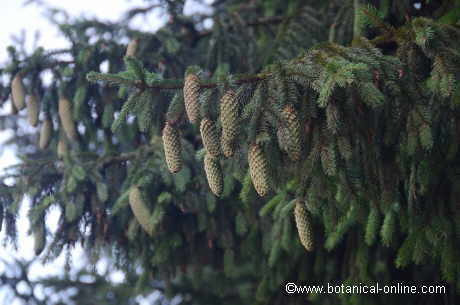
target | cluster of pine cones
[
  {"x": 21, "y": 100},
  {"x": 214, "y": 147}
]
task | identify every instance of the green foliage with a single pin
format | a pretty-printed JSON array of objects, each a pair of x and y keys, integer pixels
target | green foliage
[
  {"x": 375, "y": 118},
  {"x": 372, "y": 226},
  {"x": 388, "y": 227}
]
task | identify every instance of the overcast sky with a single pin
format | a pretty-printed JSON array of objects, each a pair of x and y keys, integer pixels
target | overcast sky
[{"x": 15, "y": 19}]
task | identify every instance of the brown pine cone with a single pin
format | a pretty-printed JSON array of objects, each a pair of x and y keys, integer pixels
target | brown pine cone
[
  {"x": 213, "y": 174},
  {"x": 66, "y": 116},
  {"x": 172, "y": 148},
  {"x": 209, "y": 137},
  {"x": 191, "y": 97},
  {"x": 303, "y": 223},
  {"x": 258, "y": 168},
  {"x": 229, "y": 116}
]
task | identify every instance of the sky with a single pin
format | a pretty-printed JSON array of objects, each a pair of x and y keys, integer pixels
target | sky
[{"x": 16, "y": 19}]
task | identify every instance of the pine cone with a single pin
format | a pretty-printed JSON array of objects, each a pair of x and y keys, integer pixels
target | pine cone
[
  {"x": 229, "y": 116},
  {"x": 258, "y": 168},
  {"x": 140, "y": 210},
  {"x": 39, "y": 239},
  {"x": 18, "y": 92},
  {"x": 209, "y": 137},
  {"x": 32, "y": 110},
  {"x": 228, "y": 148},
  {"x": 191, "y": 95},
  {"x": 65, "y": 114},
  {"x": 132, "y": 47},
  {"x": 45, "y": 133},
  {"x": 173, "y": 148},
  {"x": 1, "y": 217},
  {"x": 62, "y": 148},
  {"x": 303, "y": 223},
  {"x": 14, "y": 111},
  {"x": 292, "y": 132},
  {"x": 213, "y": 174},
  {"x": 282, "y": 135}
]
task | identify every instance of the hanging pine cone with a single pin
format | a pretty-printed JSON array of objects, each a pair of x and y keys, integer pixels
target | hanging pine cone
[
  {"x": 45, "y": 133},
  {"x": 62, "y": 148},
  {"x": 209, "y": 137},
  {"x": 39, "y": 239},
  {"x": 14, "y": 111},
  {"x": 191, "y": 96},
  {"x": 18, "y": 92},
  {"x": 258, "y": 168},
  {"x": 213, "y": 174},
  {"x": 65, "y": 114},
  {"x": 173, "y": 148},
  {"x": 1, "y": 217},
  {"x": 229, "y": 116},
  {"x": 140, "y": 210},
  {"x": 303, "y": 223},
  {"x": 32, "y": 110},
  {"x": 132, "y": 47},
  {"x": 228, "y": 148},
  {"x": 282, "y": 134},
  {"x": 292, "y": 132}
]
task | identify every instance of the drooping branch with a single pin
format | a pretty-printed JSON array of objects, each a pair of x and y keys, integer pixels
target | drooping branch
[
  {"x": 140, "y": 10},
  {"x": 173, "y": 84}
]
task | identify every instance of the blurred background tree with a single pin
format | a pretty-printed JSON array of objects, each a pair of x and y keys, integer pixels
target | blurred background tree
[
  {"x": 229, "y": 153},
  {"x": 84, "y": 287}
]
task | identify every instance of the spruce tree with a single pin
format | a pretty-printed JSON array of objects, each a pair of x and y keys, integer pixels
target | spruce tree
[{"x": 338, "y": 121}]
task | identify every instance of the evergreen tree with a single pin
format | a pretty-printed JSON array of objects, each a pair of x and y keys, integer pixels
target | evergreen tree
[{"x": 206, "y": 150}]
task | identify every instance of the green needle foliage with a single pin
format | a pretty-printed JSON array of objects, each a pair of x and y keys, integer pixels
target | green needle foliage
[{"x": 352, "y": 107}]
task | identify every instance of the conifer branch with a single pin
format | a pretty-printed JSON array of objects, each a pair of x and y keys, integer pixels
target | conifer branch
[
  {"x": 111, "y": 79},
  {"x": 140, "y": 10},
  {"x": 172, "y": 84},
  {"x": 40, "y": 164},
  {"x": 367, "y": 12},
  {"x": 58, "y": 51},
  {"x": 238, "y": 80}
]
